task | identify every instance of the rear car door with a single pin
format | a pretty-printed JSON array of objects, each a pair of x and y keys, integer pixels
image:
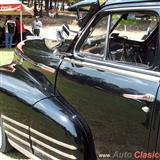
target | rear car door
[{"x": 113, "y": 93}]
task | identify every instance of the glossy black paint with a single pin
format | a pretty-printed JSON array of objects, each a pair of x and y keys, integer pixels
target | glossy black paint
[
  {"x": 79, "y": 102},
  {"x": 156, "y": 126},
  {"x": 51, "y": 117},
  {"x": 29, "y": 90},
  {"x": 38, "y": 52},
  {"x": 54, "y": 119},
  {"x": 115, "y": 121}
]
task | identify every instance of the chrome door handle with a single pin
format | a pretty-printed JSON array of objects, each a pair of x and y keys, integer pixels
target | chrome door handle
[{"x": 146, "y": 97}]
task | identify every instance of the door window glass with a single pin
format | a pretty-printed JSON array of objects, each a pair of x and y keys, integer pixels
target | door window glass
[
  {"x": 133, "y": 38},
  {"x": 94, "y": 44}
]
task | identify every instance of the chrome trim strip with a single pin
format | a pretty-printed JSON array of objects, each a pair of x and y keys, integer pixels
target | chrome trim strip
[
  {"x": 107, "y": 37},
  {"x": 71, "y": 147},
  {"x": 16, "y": 130},
  {"x": 132, "y": 8},
  {"x": 44, "y": 153},
  {"x": 22, "y": 150},
  {"x": 53, "y": 149},
  {"x": 83, "y": 32},
  {"x": 108, "y": 10},
  {"x": 14, "y": 122},
  {"x": 18, "y": 139},
  {"x": 116, "y": 70}
]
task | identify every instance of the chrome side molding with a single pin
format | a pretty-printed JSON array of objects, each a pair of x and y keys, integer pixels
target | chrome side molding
[
  {"x": 62, "y": 144},
  {"x": 22, "y": 150},
  {"x": 14, "y": 133}
]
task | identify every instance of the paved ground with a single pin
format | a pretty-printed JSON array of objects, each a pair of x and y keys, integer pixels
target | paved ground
[{"x": 14, "y": 155}]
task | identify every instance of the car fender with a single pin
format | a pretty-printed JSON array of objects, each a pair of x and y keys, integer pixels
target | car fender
[
  {"x": 24, "y": 86},
  {"x": 71, "y": 127}
]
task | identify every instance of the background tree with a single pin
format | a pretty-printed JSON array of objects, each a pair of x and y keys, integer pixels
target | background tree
[
  {"x": 47, "y": 6},
  {"x": 43, "y": 6},
  {"x": 72, "y": 1},
  {"x": 35, "y": 8},
  {"x": 50, "y": 4}
]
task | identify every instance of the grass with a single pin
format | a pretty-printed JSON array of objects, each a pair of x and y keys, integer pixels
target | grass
[{"x": 6, "y": 56}]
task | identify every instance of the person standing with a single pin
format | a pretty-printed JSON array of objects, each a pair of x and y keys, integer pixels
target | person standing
[
  {"x": 10, "y": 27},
  {"x": 18, "y": 30},
  {"x": 36, "y": 26}
]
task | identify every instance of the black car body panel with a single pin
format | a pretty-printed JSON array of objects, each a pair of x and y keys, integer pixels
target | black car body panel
[
  {"x": 29, "y": 89},
  {"x": 70, "y": 101},
  {"x": 65, "y": 126},
  {"x": 104, "y": 107},
  {"x": 41, "y": 53}
]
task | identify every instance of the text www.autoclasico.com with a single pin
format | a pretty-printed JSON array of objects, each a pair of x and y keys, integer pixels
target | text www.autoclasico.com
[{"x": 129, "y": 155}]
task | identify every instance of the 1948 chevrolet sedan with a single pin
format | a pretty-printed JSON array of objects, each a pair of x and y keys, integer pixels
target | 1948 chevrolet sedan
[{"x": 94, "y": 96}]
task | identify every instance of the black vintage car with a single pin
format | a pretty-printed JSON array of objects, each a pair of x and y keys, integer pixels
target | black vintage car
[
  {"x": 15, "y": 37},
  {"x": 95, "y": 96}
]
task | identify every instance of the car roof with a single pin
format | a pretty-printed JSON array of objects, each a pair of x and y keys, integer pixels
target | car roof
[{"x": 110, "y": 2}]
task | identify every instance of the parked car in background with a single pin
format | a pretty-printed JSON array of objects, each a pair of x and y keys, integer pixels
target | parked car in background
[
  {"x": 95, "y": 96},
  {"x": 15, "y": 38}
]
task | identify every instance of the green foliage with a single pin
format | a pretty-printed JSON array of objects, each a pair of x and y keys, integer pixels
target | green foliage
[
  {"x": 123, "y": 22},
  {"x": 73, "y": 1},
  {"x": 128, "y": 22}
]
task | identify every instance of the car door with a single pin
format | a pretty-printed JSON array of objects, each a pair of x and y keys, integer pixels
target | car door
[{"x": 115, "y": 97}]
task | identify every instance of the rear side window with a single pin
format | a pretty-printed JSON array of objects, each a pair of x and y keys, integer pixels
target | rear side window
[
  {"x": 134, "y": 26},
  {"x": 133, "y": 38}
]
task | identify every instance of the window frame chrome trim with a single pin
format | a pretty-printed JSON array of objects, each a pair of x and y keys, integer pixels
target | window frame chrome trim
[
  {"x": 76, "y": 53},
  {"x": 119, "y": 70},
  {"x": 107, "y": 37}
]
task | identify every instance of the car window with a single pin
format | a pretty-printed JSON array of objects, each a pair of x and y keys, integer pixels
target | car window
[
  {"x": 134, "y": 26},
  {"x": 133, "y": 38},
  {"x": 94, "y": 44}
]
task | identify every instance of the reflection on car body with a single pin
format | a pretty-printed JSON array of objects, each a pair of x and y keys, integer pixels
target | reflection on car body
[{"x": 92, "y": 97}]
